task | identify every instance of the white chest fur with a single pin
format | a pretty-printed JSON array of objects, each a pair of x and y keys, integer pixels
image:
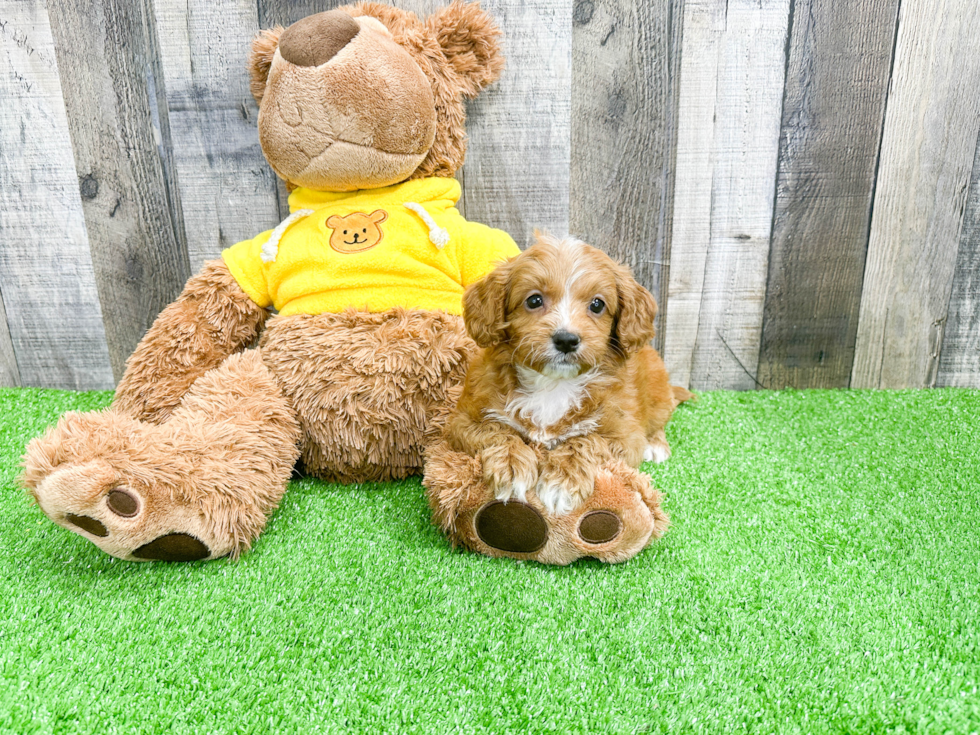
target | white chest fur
[{"x": 543, "y": 401}]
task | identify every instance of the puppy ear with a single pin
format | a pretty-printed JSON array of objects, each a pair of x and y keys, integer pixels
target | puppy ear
[
  {"x": 468, "y": 37},
  {"x": 637, "y": 310},
  {"x": 485, "y": 307},
  {"x": 264, "y": 47}
]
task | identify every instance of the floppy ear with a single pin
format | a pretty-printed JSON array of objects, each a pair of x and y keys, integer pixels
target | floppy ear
[
  {"x": 264, "y": 47},
  {"x": 468, "y": 37},
  {"x": 485, "y": 307},
  {"x": 637, "y": 310},
  {"x": 334, "y": 221},
  {"x": 378, "y": 216}
]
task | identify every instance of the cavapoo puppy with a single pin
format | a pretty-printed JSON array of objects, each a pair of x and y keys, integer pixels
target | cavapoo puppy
[{"x": 566, "y": 365}]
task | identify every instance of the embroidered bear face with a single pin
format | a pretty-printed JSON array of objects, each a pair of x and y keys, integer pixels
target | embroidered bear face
[{"x": 356, "y": 231}]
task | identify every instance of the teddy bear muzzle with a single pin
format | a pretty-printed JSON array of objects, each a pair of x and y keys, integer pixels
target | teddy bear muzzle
[{"x": 345, "y": 110}]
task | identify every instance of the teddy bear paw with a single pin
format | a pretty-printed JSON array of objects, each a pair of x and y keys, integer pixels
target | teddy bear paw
[
  {"x": 131, "y": 524},
  {"x": 92, "y": 475}
]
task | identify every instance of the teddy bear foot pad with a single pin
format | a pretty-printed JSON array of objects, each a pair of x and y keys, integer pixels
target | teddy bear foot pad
[
  {"x": 518, "y": 528},
  {"x": 121, "y": 523},
  {"x": 169, "y": 547}
]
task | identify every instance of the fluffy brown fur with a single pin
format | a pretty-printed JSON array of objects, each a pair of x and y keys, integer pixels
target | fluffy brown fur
[
  {"x": 210, "y": 320},
  {"x": 605, "y": 397},
  {"x": 215, "y": 469},
  {"x": 371, "y": 391}
]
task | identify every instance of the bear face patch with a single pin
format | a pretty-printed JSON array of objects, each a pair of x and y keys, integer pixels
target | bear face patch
[{"x": 357, "y": 231}]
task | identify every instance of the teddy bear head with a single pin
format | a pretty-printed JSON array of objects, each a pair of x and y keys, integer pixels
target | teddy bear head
[{"x": 369, "y": 95}]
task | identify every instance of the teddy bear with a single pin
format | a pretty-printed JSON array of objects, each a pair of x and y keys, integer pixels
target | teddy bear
[{"x": 333, "y": 341}]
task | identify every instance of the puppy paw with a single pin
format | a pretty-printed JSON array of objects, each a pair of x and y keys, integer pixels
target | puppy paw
[
  {"x": 510, "y": 470},
  {"x": 658, "y": 450},
  {"x": 566, "y": 482}
]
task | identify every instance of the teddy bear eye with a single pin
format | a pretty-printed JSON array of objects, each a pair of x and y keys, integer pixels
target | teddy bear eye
[
  {"x": 597, "y": 305},
  {"x": 534, "y": 301}
]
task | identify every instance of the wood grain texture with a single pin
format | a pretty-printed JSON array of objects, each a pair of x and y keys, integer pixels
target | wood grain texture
[
  {"x": 227, "y": 189},
  {"x": 516, "y": 170},
  {"x": 9, "y": 372},
  {"x": 286, "y": 12},
  {"x": 625, "y": 69},
  {"x": 732, "y": 71},
  {"x": 48, "y": 283},
  {"x": 833, "y": 112},
  {"x": 109, "y": 79},
  {"x": 959, "y": 361},
  {"x": 926, "y": 158}
]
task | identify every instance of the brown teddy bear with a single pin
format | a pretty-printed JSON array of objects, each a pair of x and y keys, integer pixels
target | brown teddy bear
[{"x": 361, "y": 112}]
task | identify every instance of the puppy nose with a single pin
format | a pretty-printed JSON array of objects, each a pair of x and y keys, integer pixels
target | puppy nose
[
  {"x": 565, "y": 341},
  {"x": 316, "y": 39}
]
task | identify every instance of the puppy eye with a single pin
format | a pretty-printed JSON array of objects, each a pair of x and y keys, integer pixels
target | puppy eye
[
  {"x": 534, "y": 301},
  {"x": 345, "y": 232},
  {"x": 597, "y": 305}
]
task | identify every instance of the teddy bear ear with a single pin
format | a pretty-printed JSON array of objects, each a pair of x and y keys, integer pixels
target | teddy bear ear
[
  {"x": 264, "y": 47},
  {"x": 469, "y": 38}
]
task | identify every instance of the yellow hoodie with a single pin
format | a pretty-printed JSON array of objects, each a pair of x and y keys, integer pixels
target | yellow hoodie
[{"x": 374, "y": 249}]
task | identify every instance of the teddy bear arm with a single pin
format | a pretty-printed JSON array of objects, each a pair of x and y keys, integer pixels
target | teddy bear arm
[{"x": 210, "y": 320}]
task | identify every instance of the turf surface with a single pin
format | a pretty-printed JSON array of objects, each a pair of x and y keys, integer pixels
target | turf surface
[{"x": 822, "y": 574}]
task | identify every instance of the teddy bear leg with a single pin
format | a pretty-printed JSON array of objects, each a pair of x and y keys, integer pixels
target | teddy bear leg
[
  {"x": 617, "y": 521},
  {"x": 199, "y": 486}
]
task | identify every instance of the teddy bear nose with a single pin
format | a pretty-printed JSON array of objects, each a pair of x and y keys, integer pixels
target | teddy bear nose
[{"x": 316, "y": 39}]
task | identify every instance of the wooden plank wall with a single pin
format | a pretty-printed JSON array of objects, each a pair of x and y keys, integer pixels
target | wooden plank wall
[{"x": 797, "y": 181}]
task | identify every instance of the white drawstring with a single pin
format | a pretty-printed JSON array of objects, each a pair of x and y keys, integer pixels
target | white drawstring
[
  {"x": 437, "y": 235},
  {"x": 271, "y": 248}
]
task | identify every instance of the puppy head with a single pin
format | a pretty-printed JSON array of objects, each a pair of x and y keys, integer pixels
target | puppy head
[{"x": 560, "y": 307}]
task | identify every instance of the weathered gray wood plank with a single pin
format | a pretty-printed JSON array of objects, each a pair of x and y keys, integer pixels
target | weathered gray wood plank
[
  {"x": 625, "y": 69},
  {"x": 926, "y": 157},
  {"x": 516, "y": 171},
  {"x": 9, "y": 372},
  {"x": 286, "y": 12},
  {"x": 107, "y": 56},
  {"x": 227, "y": 190},
  {"x": 49, "y": 294},
  {"x": 732, "y": 71},
  {"x": 959, "y": 362},
  {"x": 833, "y": 112}
]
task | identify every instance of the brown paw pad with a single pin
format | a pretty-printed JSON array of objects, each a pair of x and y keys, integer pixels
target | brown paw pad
[
  {"x": 599, "y": 526},
  {"x": 123, "y": 502},
  {"x": 514, "y": 527},
  {"x": 94, "y": 527},
  {"x": 173, "y": 547}
]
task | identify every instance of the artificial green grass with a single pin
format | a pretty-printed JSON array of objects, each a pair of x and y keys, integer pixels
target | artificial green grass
[{"x": 822, "y": 574}]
